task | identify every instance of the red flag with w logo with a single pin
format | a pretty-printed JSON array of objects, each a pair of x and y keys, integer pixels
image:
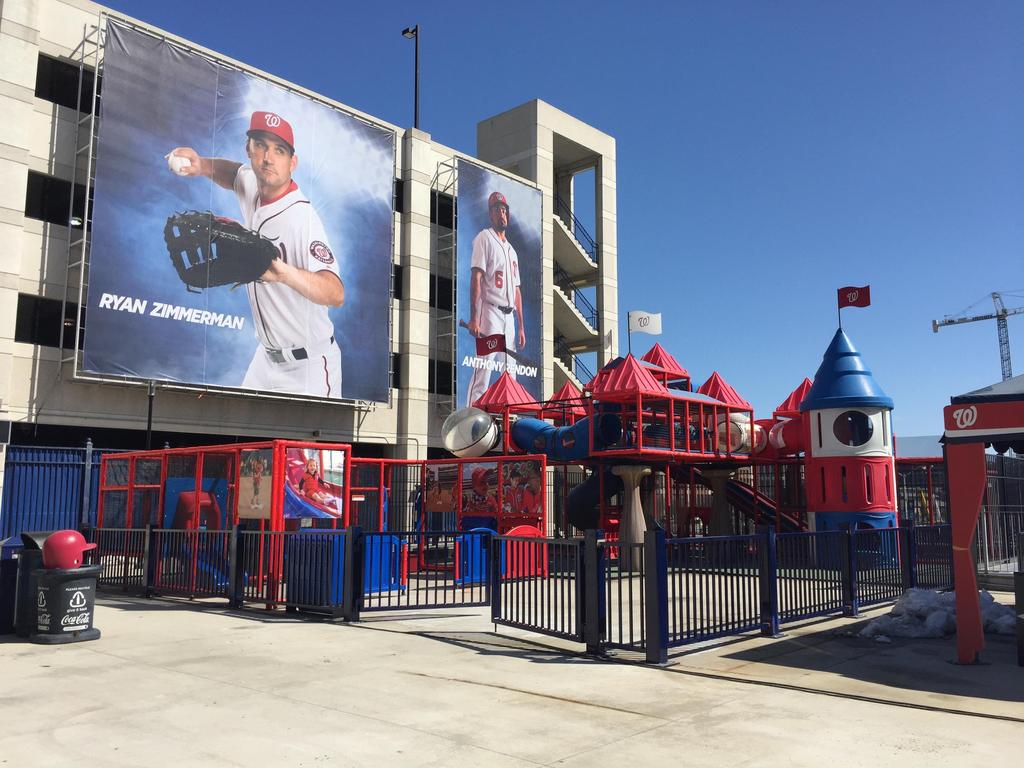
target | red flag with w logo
[
  {"x": 485, "y": 345},
  {"x": 851, "y": 296}
]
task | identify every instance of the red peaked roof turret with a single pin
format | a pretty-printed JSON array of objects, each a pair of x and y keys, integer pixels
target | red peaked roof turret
[
  {"x": 506, "y": 392},
  {"x": 625, "y": 377},
  {"x": 568, "y": 401},
  {"x": 720, "y": 389},
  {"x": 790, "y": 407},
  {"x": 659, "y": 356}
]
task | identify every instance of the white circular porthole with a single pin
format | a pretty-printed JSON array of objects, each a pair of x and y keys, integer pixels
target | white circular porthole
[{"x": 853, "y": 428}]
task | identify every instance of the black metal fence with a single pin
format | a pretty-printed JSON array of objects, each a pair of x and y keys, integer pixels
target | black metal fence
[
  {"x": 624, "y": 568},
  {"x": 714, "y": 586},
  {"x": 124, "y": 555},
  {"x": 299, "y": 569},
  {"x": 933, "y": 568},
  {"x": 413, "y": 569},
  {"x": 810, "y": 568},
  {"x": 191, "y": 563},
  {"x": 877, "y": 556},
  {"x": 538, "y": 585},
  {"x": 645, "y": 597}
]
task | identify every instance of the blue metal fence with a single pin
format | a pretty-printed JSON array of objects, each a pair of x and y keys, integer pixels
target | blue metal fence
[
  {"x": 47, "y": 488},
  {"x": 43, "y": 489}
]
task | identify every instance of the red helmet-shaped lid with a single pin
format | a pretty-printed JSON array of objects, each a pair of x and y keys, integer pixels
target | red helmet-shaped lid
[{"x": 65, "y": 549}]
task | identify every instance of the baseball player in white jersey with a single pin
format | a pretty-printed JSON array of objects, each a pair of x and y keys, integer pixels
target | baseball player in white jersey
[
  {"x": 297, "y": 351},
  {"x": 494, "y": 294}
]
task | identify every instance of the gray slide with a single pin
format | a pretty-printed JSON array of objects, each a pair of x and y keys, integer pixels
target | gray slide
[{"x": 582, "y": 507}]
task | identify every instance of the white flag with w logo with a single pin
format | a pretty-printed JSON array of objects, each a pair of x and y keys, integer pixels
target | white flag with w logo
[{"x": 645, "y": 322}]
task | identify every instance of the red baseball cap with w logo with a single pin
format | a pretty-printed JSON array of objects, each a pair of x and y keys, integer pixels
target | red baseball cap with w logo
[
  {"x": 497, "y": 198},
  {"x": 274, "y": 124}
]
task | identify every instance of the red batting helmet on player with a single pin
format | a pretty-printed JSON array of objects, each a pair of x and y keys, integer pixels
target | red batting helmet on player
[
  {"x": 479, "y": 476},
  {"x": 274, "y": 124},
  {"x": 497, "y": 198}
]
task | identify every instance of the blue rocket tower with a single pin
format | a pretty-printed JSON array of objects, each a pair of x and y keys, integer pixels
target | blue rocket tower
[{"x": 850, "y": 471}]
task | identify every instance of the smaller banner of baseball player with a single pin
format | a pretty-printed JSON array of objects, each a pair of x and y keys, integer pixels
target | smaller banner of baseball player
[
  {"x": 261, "y": 169},
  {"x": 499, "y": 289}
]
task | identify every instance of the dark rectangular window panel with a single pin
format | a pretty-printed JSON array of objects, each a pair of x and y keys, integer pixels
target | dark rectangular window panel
[
  {"x": 57, "y": 82},
  {"x": 444, "y": 378},
  {"x": 441, "y": 293},
  {"x": 38, "y": 321},
  {"x": 442, "y": 209},
  {"x": 439, "y": 377},
  {"x": 396, "y": 281},
  {"x": 48, "y": 198},
  {"x": 396, "y": 371},
  {"x": 399, "y": 196}
]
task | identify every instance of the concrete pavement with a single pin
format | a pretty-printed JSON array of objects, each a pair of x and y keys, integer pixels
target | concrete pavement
[{"x": 172, "y": 684}]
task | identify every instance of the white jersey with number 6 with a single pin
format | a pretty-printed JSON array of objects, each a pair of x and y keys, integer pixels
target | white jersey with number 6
[
  {"x": 495, "y": 313},
  {"x": 497, "y": 259}
]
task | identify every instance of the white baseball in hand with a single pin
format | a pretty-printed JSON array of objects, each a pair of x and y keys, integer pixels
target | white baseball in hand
[{"x": 178, "y": 164}]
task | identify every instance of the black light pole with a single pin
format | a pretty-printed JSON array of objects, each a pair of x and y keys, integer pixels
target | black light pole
[
  {"x": 149, "y": 416},
  {"x": 413, "y": 33}
]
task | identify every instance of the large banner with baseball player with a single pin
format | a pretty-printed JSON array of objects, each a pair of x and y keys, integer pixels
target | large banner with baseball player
[
  {"x": 242, "y": 232},
  {"x": 499, "y": 283}
]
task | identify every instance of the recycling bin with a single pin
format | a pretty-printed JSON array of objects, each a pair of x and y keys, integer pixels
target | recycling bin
[
  {"x": 65, "y": 604},
  {"x": 30, "y": 559},
  {"x": 9, "y": 549}
]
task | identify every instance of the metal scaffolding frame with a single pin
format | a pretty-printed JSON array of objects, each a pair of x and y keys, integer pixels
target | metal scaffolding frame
[
  {"x": 76, "y": 274},
  {"x": 445, "y": 181}
]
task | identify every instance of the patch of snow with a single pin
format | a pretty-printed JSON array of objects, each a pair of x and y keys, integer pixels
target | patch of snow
[{"x": 923, "y": 613}]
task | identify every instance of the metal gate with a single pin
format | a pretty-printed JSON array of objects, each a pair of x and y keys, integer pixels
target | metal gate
[
  {"x": 538, "y": 585},
  {"x": 414, "y": 569}
]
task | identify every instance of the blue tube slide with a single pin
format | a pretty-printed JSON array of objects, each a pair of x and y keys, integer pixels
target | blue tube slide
[{"x": 571, "y": 443}]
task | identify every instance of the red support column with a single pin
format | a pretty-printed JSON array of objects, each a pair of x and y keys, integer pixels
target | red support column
[
  {"x": 671, "y": 425},
  {"x": 965, "y": 463},
  {"x": 130, "y": 506},
  {"x": 348, "y": 486},
  {"x": 381, "y": 489},
  {"x": 163, "y": 490}
]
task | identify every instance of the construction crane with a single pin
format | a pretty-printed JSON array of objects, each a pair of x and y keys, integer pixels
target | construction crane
[{"x": 999, "y": 316}]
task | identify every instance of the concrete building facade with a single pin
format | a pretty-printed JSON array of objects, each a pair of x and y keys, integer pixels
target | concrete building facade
[{"x": 48, "y": 48}]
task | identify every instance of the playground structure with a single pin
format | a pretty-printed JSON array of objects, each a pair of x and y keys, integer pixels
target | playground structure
[
  {"x": 666, "y": 506},
  {"x": 823, "y": 461},
  {"x": 646, "y": 451},
  {"x": 657, "y": 454}
]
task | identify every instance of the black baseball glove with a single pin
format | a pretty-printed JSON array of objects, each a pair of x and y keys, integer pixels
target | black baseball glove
[{"x": 208, "y": 250}]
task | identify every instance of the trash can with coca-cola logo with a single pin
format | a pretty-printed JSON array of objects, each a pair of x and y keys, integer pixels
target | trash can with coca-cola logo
[{"x": 65, "y": 591}]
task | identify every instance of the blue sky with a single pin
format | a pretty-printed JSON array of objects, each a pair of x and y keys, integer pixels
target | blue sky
[{"x": 768, "y": 153}]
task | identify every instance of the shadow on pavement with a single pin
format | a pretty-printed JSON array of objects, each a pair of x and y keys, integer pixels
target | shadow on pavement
[{"x": 913, "y": 665}]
